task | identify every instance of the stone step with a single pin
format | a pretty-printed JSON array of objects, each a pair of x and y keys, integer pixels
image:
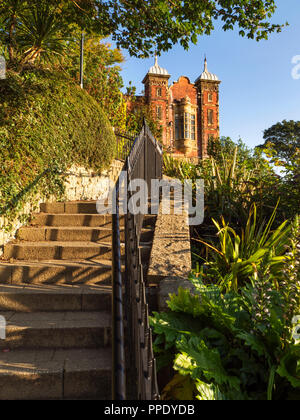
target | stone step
[
  {"x": 39, "y": 251},
  {"x": 80, "y": 220},
  {"x": 83, "y": 234},
  {"x": 56, "y": 272},
  {"x": 57, "y": 330},
  {"x": 55, "y": 374},
  {"x": 46, "y": 298},
  {"x": 72, "y": 220},
  {"x": 74, "y": 251},
  {"x": 76, "y": 234},
  {"x": 75, "y": 207}
]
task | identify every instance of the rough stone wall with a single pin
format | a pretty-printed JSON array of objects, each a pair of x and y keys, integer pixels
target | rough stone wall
[
  {"x": 80, "y": 184},
  {"x": 171, "y": 257},
  {"x": 86, "y": 185}
]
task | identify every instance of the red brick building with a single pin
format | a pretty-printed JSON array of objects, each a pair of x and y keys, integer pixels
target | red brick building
[{"x": 188, "y": 113}]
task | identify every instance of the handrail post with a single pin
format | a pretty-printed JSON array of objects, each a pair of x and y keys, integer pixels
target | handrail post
[{"x": 118, "y": 339}]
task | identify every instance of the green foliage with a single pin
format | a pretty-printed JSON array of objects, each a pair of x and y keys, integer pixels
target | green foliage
[
  {"x": 234, "y": 334},
  {"x": 39, "y": 33},
  {"x": 138, "y": 112},
  {"x": 180, "y": 388},
  {"x": 47, "y": 123},
  {"x": 142, "y": 27},
  {"x": 239, "y": 257},
  {"x": 180, "y": 169},
  {"x": 102, "y": 78},
  {"x": 157, "y": 25},
  {"x": 236, "y": 178},
  {"x": 227, "y": 345},
  {"x": 34, "y": 31},
  {"x": 282, "y": 147},
  {"x": 282, "y": 141}
]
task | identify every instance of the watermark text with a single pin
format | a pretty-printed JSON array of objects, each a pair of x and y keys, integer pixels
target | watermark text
[
  {"x": 296, "y": 68},
  {"x": 168, "y": 196}
]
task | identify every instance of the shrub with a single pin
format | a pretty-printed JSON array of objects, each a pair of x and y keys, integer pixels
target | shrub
[
  {"x": 239, "y": 257},
  {"x": 233, "y": 346},
  {"x": 47, "y": 123}
]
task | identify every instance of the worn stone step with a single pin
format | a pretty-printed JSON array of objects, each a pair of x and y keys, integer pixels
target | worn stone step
[
  {"x": 36, "y": 298},
  {"x": 56, "y": 272},
  {"x": 58, "y": 330},
  {"x": 76, "y": 234},
  {"x": 55, "y": 374},
  {"x": 38, "y": 251},
  {"x": 77, "y": 220},
  {"x": 74, "y": 251},
  {"x": 73, "y": 207},
  {"x": 72, "y": 220},
  {"x": 83, "y": 234}
]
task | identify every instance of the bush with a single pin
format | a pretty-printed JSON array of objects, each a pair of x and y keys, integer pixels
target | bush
[
  {"x": 236, "y": 258},
  {"x": 237, "y": 345},
  {"x": 47, "y": 123}
]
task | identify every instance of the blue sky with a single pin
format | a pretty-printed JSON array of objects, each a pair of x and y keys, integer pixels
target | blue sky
[{"x": 257, "y": 87}]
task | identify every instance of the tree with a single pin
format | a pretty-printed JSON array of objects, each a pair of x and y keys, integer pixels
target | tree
[
  {"x": 138, "y": 111},
  {"x": 102, "y": 78},
  {"x": 156, "y": 25},
  {"x": 282, "y": 142},
  {"x": 145, "y": 27},
  {"x": 33, "y": 30}
]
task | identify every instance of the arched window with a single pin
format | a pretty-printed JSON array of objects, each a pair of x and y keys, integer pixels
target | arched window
[{"x": 159, "y": 92}]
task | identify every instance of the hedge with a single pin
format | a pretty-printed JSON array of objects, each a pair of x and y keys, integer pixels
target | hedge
[{"x": 47, "y": 123}]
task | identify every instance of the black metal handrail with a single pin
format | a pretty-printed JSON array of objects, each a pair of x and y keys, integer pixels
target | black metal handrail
[
  {"x": 143, "y": 162},
  {"x": 125, "y": 142}
]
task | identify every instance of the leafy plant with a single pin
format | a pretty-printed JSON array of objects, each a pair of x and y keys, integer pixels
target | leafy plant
[
  {"x": 235, "y": 178},
  {"x": 239, "y": 257},
  {"x": 180, "y": 169},
  {"x": 227, "y": 345},
  {"x": 137, "y": 112},
  {"x": 40, "y": 33}
]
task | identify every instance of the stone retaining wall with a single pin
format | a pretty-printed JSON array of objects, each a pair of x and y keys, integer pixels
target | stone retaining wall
[
  {"x": 80, "y": 185},
  {"x": 171, "y": 258}
]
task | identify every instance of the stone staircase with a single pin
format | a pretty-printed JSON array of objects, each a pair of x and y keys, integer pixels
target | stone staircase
[{"x": 55, "y": 294}]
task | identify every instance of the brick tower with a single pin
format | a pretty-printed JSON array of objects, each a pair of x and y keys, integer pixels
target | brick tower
[
  {"x": 208, "y": 109},
  {"x": 187, "y": 112},
  {"x": 157, "y": 96}
]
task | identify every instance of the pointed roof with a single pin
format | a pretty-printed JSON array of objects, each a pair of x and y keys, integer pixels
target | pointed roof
[
  {"x": 206, "y": 75},
  {"x": 157, "y": 70}
]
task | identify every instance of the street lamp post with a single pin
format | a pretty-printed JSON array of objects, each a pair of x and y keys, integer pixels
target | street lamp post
[{"x": 81, "y": 59}]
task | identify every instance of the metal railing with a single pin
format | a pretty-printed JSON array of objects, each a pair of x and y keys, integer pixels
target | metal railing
[
  {"x": 125, "y": 142},
  {"x": 143, "y": 162}
]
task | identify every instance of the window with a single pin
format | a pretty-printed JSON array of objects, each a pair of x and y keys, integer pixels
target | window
[
  {"x": 178, "y": 127},
  {"x": 185, "y": 126},
  {"x": 210, "y": 97},
  {"x": 193, "y": 127},
  {"x": 159, "y": 92},
  {"x": 210, "y": 116},
  {"x": 159, "y": 112}
]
